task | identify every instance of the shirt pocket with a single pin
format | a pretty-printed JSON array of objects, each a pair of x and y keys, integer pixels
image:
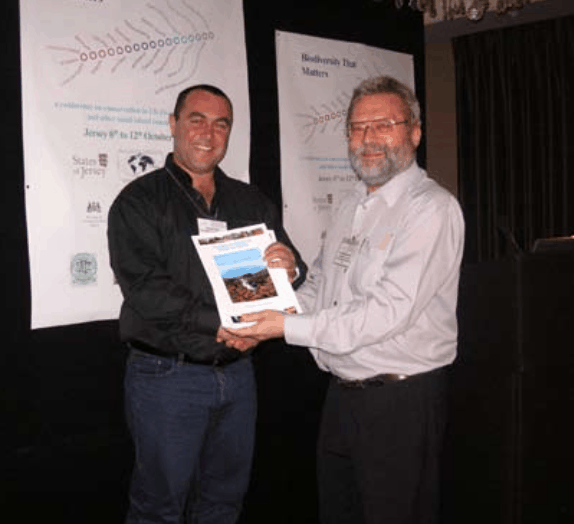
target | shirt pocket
[{"x": 368, "y": 268}]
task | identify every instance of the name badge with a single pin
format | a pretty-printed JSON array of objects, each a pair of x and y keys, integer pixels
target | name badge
[
  {"x": 205, "y": 225},
  {"x": 346, "y": 251}
]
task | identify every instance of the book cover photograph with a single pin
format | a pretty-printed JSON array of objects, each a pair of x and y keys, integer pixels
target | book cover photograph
[{"x": 245, "y": 275}]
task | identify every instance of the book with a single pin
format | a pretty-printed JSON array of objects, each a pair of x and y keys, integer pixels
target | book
[{"x": 240, "y": 278}]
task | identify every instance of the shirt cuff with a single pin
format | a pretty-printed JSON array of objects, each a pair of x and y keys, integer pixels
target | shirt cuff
[{"x": 298, "y": 330}]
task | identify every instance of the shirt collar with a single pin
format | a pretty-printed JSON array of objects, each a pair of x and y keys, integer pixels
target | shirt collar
[
  {"x": 394, "y": 188},
  {"x": 181, "y": 175},
  {"x": 184, "y": 178}
]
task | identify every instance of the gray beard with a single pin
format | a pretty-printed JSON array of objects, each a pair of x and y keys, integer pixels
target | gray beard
[{"x": 396, "y": 161}]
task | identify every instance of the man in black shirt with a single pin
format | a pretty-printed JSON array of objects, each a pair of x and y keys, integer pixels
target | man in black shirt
[{"x": 190, "y": 400}]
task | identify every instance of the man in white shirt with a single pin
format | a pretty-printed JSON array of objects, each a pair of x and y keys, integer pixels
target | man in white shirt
[{"x": 380, "y": 317}]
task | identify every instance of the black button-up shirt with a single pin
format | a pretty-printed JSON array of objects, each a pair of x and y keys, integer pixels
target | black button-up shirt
[{"x": 168, "y": 300}]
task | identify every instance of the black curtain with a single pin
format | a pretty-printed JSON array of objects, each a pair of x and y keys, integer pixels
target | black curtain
[{"x": 515, "y": 110}]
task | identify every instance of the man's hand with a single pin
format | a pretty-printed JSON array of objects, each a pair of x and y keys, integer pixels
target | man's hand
[
  {"x": 279, "y": 255},
  {"x": 269, "y": 324},
  {"x": 232, "y": 341}
]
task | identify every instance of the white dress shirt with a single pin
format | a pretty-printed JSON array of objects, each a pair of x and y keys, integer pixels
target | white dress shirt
[{"x": 381, "y": 296}]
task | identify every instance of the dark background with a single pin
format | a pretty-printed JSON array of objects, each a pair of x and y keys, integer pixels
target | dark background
[{"x": 67, "y": 453}]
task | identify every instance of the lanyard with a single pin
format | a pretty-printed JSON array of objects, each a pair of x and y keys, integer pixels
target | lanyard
[{"x": 199, "y": 209}]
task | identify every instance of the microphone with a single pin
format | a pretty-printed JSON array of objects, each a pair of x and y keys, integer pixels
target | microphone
[{"x": 507, "y": 234}]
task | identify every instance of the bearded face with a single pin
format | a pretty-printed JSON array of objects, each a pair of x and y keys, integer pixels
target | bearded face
[
  {"x": 389, "y": 162},
  {"x": 382, "y": 139}
]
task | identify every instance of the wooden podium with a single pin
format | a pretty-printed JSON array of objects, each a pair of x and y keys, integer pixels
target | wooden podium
[{"x": 509, "y": 453}]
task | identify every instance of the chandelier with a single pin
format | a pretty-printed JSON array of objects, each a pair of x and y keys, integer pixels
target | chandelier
[{"x": 473, "y": 9}]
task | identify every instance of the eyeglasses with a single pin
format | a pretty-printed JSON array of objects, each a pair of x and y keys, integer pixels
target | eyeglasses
[{"x": 379, "y": 126}]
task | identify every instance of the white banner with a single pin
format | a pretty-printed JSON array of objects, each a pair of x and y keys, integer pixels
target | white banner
[
  {"x": 99, "y": 80},
  {"x": 316, "y": 78}
]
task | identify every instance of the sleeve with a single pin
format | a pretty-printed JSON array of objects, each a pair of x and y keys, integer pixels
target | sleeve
[
  {"x": 423, "y": 260},
  {"x": 139, "y": 261},
  {"x": 308, "y": 292}
]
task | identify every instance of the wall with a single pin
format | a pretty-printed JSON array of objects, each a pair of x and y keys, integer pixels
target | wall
[{"x": 441, "y": 114}]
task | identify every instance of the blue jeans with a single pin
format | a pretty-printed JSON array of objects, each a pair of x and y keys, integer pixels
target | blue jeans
[{"x": 193, "y": 429}]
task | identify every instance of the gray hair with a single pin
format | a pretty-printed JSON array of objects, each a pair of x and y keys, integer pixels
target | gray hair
[{"x": 387, "y": 85}]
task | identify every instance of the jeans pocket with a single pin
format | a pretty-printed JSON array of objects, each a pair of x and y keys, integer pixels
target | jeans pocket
[{"x": 151, "y": 365}]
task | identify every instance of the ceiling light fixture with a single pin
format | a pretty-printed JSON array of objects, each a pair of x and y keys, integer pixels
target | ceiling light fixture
[{"x": 473, "y": 9}]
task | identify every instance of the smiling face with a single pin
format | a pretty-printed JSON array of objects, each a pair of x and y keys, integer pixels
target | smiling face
[
  {"x": 377, "y": 156},
  {"x": 201, "y": 132}
]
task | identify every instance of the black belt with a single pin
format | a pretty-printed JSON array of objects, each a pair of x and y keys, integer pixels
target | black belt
[
  {"x": 377, "y": 380},
  {"x": 218, "y": 361}
]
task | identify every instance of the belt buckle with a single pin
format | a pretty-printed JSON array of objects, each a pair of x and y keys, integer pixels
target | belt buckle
[{"x": 395, "y": 377}]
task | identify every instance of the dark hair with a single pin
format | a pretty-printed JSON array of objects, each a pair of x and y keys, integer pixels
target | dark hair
[
  {"x": 179, "y": 103},
  {"x": 387, "y": 85}
]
